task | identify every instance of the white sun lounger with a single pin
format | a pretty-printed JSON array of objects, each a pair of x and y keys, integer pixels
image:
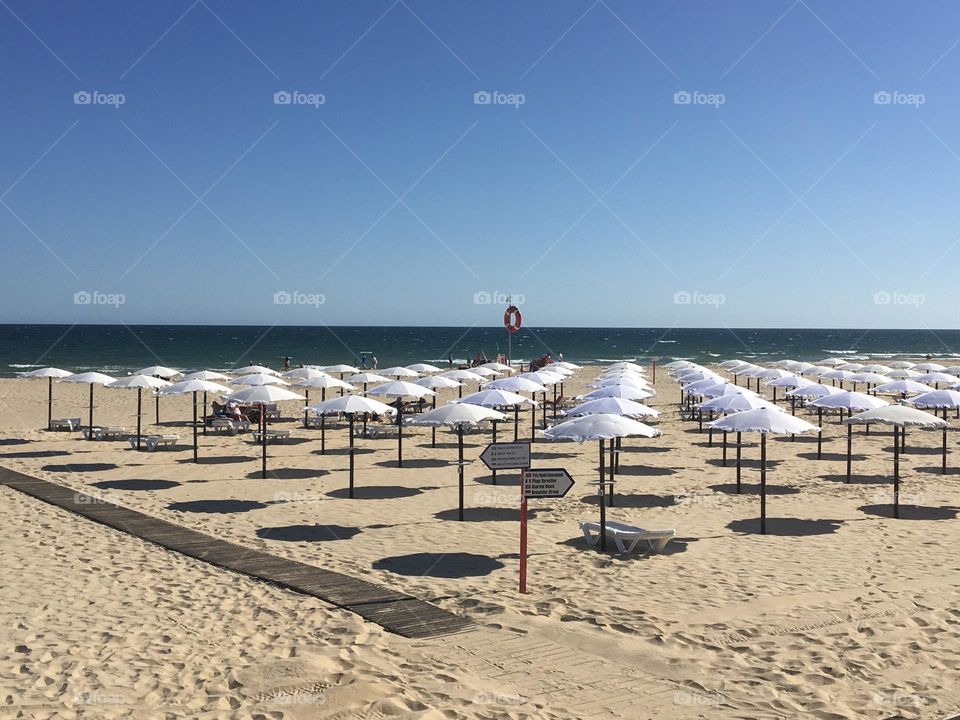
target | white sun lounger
[
  {"x": 152, "y": 442},
  {"x": 70, "y": 424},
  {"x": 627, "y": 537},
  {"x": 272, "y": 435},
  {"x": 232, "y": 426},
  {"x": 104, "y": 433}
]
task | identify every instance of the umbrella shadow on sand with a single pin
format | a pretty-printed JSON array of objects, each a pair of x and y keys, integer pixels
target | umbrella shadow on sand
[
  {"x": 912, "y": 512},
  {"x": 415, "y": 463},
  {"x": 856, "y": 479},
  {"x": 745, "y": 463},
  {"x": 439, "y": 565},
  {"x": 218, "y": 459},
  {"x": 787, "y": 527},
  {"x": 13, "y": 441},
  {"x": 80, "y": 467},
  {"x": 375, "y": 492},
  {"x": 754, "y": 489},
  {"x": 644, "y": 449},
  {"x": 216, "y": 507},
  {"x": 676, "y": 546},
  {"x": 645, "y": 470},
  {"x": 505, "y": 480},
  {"x": 632, "y": 501},
  {"x": 832, "y": 456},
  {"x": 484, "y": 514},
  {"x": 35, "y": 454},
  {"x": 136, "y": 484},
  {"x": 307, "y": 533},
  {"x": 289, "y": 473}
]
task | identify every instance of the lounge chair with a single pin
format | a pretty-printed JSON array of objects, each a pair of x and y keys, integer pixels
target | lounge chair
[
  {"x": 152, "y": 442},
  {"x": 231, "y": 425},
  {"x": 272, "y": 411},
  {"x": 70, "y": 424},
  {"x": 271, "y": 435},
  {"x": 109, "y": 432},
  {"x": 627, "y": 537}
]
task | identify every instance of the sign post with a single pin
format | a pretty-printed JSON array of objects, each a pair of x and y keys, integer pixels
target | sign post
[{"x": 513, "y": 456}]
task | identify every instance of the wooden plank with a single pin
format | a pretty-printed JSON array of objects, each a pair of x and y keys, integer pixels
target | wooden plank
[{"x": 394, "y": 611}]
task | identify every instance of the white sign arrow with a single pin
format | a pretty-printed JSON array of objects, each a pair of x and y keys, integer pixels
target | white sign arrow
[
  {"x": 546, "y": 483},
  {"x": 507, "y": 456}
]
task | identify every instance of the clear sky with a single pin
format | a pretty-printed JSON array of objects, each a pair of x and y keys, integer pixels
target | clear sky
[{"x": 777, "y": 189}]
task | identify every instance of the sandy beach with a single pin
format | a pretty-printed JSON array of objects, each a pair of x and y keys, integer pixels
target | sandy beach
[{"x": 839, "y": 612}]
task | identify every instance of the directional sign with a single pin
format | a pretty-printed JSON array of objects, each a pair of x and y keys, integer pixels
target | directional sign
[
  {"x": 546, "y": 483},
  {"x": 507, "y": 456}
]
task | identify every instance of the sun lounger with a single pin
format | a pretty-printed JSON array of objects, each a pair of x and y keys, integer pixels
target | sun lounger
[
  {"x": 70, "y": 424},
  {"x": 110, "y": 432},
  {"x": 381, "y": 431},
  {"x": 272, "y": 411},
  {"x": 627, "y": 537},
  {"x": 271, "y": 435},
  {"x": 230, "y": 425},
  {"x": 152, "y": 442}
]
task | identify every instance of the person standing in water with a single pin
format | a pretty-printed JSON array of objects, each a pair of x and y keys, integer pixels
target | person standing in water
[{"x": 373, "y": 362}]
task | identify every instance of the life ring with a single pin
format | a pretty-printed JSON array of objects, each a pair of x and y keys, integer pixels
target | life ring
[{"x": 512, "y": 319}]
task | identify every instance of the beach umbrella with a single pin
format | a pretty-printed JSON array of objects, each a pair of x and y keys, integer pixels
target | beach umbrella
[
  {"x": 901, "y": 365},
  {"x": 423, "y": 368},
  {"x": 939, "y": 400},
  {"x": 903, "y": 374},
  {"x": 735, "y": 402},
  {"x": 634, "y": 380},
  {"x": 614, "y": 406},
  {"x": 627, "y": 392},
  {"x": 545, "y": 377},
  {"x": 840, "y": 375},
  {"x": 206, "y": 375},
  {"x": 562, "y": 363},
  {"x": 870, "y": 378},
  {"x": 936, "y": 376},
  {"x": 91, "y": 379},
  {"x": 791, "y": 382},
  {"x": 502, "y": 368},
  {"x": 832, "y": 362},
  {"x": 324, "y": 383},
  {"x": 851, "y": 367},
  {"x": 902, "y": 388},
  {"x": 816, "y": 370},
  {"x": 400, "y": 389},
  {"x": 399, "y": 372},
  {"x": 458, "y": 416},
  {"x": 462, "y": 376},
  {"x": 626, "y": 364},
  {"x": 341, "y": 370},
  {"x": 686, "y": 363},
  {"x": 186, "y": 387},
  {"x": 438, "y": 382},
  {"x": 367, "y": 378},
  {"x": 263, "y": 395},
  {"x": 49, "y": 373},
  {"x": 303, "y": 373},
  {"x": 162, "y": 372},
  {"x": 254, "y": 369},
  {"x": 879, "y": 369},
  {"x": 351, "y": 405},
  {"x": 259, "y": 379},
  {"x": 518, "y": 384},
  {"x": 601, "y": 427},
  {"x": 953, "y": 370},
  {"x": 764, "y": 421},
  {"x": 159, "y": 371},
  {"x": 729, "y": 363},
  {"x": 900, "y": 416},
  {"x": 929, "y": 367},
  {"x": 139, "y": 382},
  {"x": 494, "y": 398},
  {"x": 852, "y": 402},
  {"x": 485, "y": 372}
]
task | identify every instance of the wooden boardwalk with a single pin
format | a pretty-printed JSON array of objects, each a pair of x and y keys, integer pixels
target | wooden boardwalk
[{"x": 399, "y": 613}]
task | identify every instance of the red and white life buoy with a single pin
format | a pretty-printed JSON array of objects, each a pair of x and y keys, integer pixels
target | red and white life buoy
[{"x": 512, "y": 319}]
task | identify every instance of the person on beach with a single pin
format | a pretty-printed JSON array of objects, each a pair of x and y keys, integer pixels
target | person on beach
[
  {"x": 286, "y": 362},
  {"x": 363, "y": 361},
  {"x": 450, "y": 359},
  {"x": 373, "y": 362}
]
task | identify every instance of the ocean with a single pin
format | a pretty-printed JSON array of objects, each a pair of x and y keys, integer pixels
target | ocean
[{"x": 119, "y": 349}]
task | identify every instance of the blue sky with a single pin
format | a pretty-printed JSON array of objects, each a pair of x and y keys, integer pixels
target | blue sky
[{"x": 785, "y": 193}]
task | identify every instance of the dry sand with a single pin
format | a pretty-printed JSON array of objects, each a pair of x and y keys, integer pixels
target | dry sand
[{"x": 840, "y": 612}]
